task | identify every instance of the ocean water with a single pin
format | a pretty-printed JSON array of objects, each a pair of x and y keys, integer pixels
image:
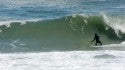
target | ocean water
[{"x": 56, "y": 34}]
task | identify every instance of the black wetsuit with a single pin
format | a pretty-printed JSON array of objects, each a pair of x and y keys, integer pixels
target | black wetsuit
[{"x": 97, "y": 40}]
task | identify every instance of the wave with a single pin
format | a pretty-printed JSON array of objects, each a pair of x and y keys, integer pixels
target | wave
[{"x": 67, "y": 33}]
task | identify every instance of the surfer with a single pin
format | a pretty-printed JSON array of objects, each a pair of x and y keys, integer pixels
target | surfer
[{"x": 97, "y": 40}]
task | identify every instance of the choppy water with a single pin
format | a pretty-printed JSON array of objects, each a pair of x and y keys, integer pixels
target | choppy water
[{"x": 43, "y": 9}]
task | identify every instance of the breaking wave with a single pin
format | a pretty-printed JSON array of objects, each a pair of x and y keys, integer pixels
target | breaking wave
[{"x": 67, "y": 33}]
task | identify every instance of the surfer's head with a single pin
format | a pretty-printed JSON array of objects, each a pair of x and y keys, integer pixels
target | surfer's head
[{"x": 95, "y": 34}]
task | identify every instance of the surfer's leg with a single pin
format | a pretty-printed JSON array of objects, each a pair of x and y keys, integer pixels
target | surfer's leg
[
  {"x": 100, "y": 42},
  {"x": 95, "y": 44}
]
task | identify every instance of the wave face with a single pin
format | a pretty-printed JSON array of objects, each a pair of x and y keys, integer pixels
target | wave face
[{"x": 67, "y": 33}]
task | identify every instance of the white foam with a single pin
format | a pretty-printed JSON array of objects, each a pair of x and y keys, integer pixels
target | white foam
[
  {"x": 122, "y": 44},
  {"x": 8, "y": 23},
  {"x": 74, "y": 60},
  {"x": 13, "y": 43},
  {"x": 116, "y": 23},
  {"x": 79, "y": 14}
]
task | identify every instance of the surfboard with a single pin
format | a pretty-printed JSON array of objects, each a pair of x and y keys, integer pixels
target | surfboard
[{"x": 98, "y": 46}]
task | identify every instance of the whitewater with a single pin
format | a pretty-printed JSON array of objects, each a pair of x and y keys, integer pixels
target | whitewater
[
  {"x": 57, "y": 34},
  {"x": 74, "y": 60}
]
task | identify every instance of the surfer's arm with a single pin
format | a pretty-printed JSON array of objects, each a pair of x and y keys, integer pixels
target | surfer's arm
[{"x": 93, "y": 40}]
